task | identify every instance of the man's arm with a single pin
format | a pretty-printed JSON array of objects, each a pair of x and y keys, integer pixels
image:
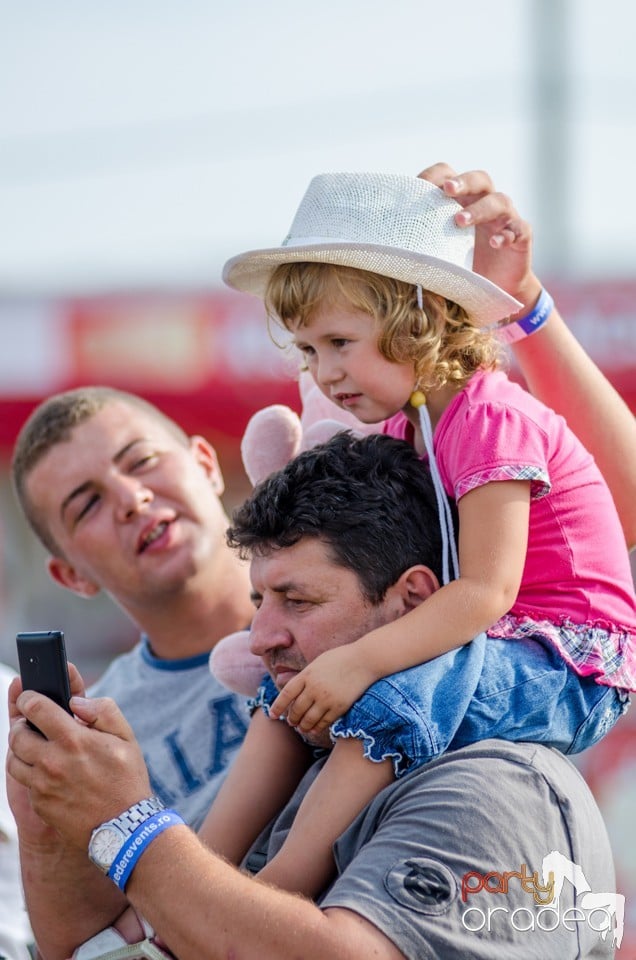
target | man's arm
[
  {"x": 556, "y": 367},
  {"x": 264, "y": 775},
  {"x": 201, "y": 906},
  {"x": 67, "y": 898},
  {"x": 204, "y": 908}
]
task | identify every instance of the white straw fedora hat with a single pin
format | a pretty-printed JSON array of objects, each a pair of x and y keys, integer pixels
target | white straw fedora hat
[{"x": 399, "y": 226}]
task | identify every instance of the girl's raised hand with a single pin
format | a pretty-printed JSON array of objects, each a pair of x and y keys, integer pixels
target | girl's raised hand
[
  {"x": 324, "y": 690},
  {"x": 503, "y": 239}
]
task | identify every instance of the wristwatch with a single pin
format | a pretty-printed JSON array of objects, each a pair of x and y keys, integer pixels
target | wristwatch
[{"x": 108, "y": 838}]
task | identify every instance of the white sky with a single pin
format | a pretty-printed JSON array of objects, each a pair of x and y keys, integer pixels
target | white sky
[{"x": 143, "y": 142}]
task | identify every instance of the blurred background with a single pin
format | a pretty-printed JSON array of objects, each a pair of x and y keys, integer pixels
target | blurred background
[{"x": 144, "y": 143}]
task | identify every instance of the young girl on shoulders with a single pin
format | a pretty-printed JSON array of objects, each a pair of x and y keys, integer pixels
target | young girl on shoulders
[{"x": 374, "y": 283}]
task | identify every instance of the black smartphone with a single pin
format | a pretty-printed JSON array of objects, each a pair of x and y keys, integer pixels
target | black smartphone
[{"x": 43, "y": 666}]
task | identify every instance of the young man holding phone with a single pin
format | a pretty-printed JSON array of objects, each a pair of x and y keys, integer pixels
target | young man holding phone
[{"x": 125, "y": 502}]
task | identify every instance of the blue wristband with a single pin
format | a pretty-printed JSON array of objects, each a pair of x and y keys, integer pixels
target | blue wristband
[
  {"x": 533, "y": 321},
  {"x": 126, "y": 860}
]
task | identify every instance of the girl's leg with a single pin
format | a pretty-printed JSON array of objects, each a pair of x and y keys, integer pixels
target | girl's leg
[
  {"x": 601, "y": 716},
  {"x": 528, "y": 692},
  {"x": 345, "y": 785},
  {"x": 413, "y": 716},
  {"x": 400, "y": 722},
  {"x": 270, "y": 764}
]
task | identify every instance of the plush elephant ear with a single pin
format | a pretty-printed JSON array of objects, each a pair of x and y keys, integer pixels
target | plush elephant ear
[
  {"x": 275, "y": 434},
  {"x": 272, "y": 437},
  {"x": 235, "y": 666}
]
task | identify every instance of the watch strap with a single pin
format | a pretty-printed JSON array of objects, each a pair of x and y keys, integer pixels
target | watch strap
[
  {"x": 134, "y": 816},
  {"x": 125, "y": 825},
  {"x": 134, "y": 846}
]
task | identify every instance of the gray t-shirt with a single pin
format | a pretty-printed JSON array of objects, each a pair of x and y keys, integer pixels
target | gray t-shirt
[
  {"x": 189, "y": 726},
  {"x": 447, "y": 861}
]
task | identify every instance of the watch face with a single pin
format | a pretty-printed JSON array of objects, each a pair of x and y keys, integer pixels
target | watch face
[{"x": 104, "y": 846}]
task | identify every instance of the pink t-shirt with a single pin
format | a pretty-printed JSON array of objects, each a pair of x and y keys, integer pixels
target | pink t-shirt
[{"x": 577, "y": 567}]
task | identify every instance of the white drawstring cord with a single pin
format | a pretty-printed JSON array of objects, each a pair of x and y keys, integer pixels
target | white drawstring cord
[
  {"x": 443, "y": 507},
  {"x": 418, "y": 401}
]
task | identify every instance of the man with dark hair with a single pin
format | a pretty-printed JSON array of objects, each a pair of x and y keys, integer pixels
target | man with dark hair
[{"x": 321, "y": 534}]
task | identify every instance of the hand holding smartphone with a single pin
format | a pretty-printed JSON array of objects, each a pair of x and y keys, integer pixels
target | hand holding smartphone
[{"x": 43, "y": 666}]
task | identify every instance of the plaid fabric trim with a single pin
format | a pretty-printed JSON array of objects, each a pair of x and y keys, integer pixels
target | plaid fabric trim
[
  {"x": 589, "y": 648},
  {"x": 540, "y": 482}
]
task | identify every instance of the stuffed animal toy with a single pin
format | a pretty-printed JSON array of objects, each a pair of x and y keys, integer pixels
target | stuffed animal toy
[{"x": 272, "y": 437}]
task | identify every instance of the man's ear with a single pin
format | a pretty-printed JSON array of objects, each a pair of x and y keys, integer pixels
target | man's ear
[
  {"x": 415, "y": 586},
  {"x": 65, "y": 574},
  {"x": 205, "y": 454}
]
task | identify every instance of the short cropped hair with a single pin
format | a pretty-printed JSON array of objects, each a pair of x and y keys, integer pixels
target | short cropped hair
[
  {"x": 370, "y": 500},
  {"x": 52, "y": 423},
  {"x": 440, "y": 339}
]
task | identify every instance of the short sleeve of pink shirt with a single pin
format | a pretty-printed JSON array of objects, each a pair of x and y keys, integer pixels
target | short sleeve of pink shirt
[{"x": 482, "y": 438}]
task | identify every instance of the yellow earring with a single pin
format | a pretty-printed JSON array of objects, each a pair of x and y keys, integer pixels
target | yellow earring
[{"x": 417, "y": 399}]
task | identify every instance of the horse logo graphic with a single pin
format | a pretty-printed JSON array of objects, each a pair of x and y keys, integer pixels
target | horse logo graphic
[{"x": 612, "y": 905}]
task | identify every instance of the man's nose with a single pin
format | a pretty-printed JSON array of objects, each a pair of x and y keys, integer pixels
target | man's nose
[
  {"x": 268, "y": 631},
  {"x": 132, "y": 497}
]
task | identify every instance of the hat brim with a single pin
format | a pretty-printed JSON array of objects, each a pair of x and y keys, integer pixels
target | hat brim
[{"x": 484, "y": 301}]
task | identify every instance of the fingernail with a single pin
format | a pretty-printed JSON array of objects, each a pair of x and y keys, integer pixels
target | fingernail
[{"x": 464, "y": 217}]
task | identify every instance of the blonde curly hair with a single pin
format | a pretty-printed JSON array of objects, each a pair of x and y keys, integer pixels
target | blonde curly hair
[{"x": 441, "y": 340}]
